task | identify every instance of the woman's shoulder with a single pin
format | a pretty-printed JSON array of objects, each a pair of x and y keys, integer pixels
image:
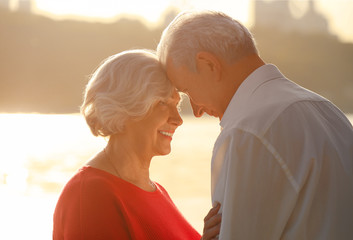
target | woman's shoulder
[
  {"x": 162, "y": 191},
  {"x": 89, "y": 179}
]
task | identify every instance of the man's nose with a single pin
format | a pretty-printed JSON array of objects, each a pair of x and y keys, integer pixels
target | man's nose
[{"x": 198, "y": 111}]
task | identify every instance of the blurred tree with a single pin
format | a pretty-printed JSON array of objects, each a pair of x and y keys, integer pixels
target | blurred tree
[{"x": 45, "y": 64}]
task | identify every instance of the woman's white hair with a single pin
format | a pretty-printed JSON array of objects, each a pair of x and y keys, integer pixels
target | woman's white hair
[
  {"x": 194, "y": 31},
  {"x": 124, "y": 86}
]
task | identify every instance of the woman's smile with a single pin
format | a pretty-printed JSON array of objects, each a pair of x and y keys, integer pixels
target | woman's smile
[{"x": 169, "y": 135}]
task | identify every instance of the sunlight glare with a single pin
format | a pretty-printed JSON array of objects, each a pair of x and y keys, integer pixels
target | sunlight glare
[
  {"x": 149, "y": 10},
  {"x": 239, "y": 10},
  {"x": 339, "y": 16},
  {"x": 337, "y": 12},
  {"x": 41, "y": 138},
  {"x": 105, "y": 9}
]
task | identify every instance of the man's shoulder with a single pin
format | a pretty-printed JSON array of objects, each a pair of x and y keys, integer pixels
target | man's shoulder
[{"x": 268, "y": 102}]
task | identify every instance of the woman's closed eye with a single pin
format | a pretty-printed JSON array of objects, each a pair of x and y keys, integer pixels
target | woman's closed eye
[{"x": 163, "y": 102}]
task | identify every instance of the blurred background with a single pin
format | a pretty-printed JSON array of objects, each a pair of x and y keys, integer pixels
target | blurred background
[{"x": 48, "y": 49}]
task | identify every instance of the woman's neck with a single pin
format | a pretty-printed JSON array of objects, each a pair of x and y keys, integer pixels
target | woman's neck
[
  {"x": 126, "y": 162},
  {"x": 129, "y": 162}
]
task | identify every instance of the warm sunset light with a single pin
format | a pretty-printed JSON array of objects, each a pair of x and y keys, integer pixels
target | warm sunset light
[
  {"x": 150, "y": 10},
  {"x": 50, "y": 48},
  {"x": 338, "y": 12},
  {"x": 104, "y": 9}
]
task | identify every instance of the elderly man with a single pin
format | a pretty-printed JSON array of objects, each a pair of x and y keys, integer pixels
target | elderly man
[{"x": 282, "y": 166}]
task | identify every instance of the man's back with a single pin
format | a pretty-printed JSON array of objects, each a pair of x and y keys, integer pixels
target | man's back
[{"x": 282, "y": 167}]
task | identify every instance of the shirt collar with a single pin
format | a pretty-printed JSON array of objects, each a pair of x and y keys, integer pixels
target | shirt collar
[{"x": 248, "y": 86}]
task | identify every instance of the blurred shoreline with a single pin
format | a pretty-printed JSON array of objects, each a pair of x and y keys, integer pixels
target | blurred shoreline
[{"x": 45, "y": 64}]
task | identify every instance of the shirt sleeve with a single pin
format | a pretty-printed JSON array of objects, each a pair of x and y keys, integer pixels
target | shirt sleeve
[{"x": 258, "y": 194}]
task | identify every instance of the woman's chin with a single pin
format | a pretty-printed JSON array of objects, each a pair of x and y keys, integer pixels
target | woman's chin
[{"x": 164, "y": 152}]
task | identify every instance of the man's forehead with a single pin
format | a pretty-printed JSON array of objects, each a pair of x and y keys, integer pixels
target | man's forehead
[
  {"x": 171, "y": 66},
  {"x": 175, "y": 75},
  {"x": 175, "y": 96},
  {"x": 178, "y": 86}
]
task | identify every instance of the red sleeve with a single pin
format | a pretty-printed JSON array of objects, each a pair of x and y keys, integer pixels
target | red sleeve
[{"x": 87, "y": 209}]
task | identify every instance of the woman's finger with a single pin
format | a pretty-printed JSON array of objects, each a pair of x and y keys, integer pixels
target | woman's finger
[{"x": 213, "y": 221}]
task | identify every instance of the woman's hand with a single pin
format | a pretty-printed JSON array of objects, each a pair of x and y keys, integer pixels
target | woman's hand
[{"x": 212, "y": 223}]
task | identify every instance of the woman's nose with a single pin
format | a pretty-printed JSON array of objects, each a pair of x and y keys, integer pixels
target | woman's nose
[{"x": 176, "y": 118}]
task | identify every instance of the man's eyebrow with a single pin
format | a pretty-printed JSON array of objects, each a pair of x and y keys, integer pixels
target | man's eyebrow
[
  {"x": 178, "y": 90},
  {"x": 182, "y": 91}
]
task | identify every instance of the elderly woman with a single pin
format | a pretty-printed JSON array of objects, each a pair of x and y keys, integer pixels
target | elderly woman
[{"x": 130, "y": 100}]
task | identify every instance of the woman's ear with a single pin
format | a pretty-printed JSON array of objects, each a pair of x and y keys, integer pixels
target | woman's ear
[{"x": 209, "y": 63}]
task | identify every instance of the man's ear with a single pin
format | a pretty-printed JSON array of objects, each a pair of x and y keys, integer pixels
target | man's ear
[{"x": 208, "y": 62}]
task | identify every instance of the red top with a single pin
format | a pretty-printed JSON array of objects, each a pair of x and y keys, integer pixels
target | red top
[{"x": 98, "y": 205}]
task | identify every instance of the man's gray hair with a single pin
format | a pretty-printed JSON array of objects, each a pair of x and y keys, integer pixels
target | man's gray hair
[{"x": 194, "y": 31}]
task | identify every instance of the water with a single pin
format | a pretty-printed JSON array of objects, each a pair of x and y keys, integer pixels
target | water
[{"x": 39, "y": 154}]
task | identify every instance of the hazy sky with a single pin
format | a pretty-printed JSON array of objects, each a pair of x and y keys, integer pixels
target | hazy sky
[{"x": 338, "y": 12}]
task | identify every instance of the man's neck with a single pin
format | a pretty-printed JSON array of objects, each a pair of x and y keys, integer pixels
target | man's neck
[{"x": 235, "y": 75}]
